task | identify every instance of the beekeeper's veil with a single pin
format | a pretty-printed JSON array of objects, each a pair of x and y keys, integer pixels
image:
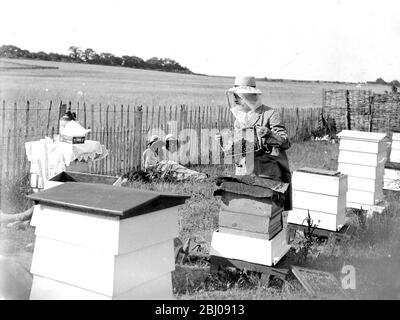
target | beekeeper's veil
[{"x": 246, "y": 98}]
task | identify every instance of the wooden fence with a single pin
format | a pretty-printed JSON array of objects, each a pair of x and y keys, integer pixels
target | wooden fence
[
  {"x": 362, "y": 110},
  {"x": 124, "y": 129}
]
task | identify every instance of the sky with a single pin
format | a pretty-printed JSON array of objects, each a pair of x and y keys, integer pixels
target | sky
[{"x": 342, "y": 40}]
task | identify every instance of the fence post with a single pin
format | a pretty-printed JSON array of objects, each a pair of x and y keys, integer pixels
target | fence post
[
  {"x": 92, "y": 135},
  {"x": 137, "y": 139},
  {"x": 26, "y": 131},
  {"x": 84, "y": 114},
  {"x": 48, "y": 117},
  {"x": 348, "y": 120},
  {"x": 107, "y": 160},
  {"x": 15, "y": 133},
  {"x": 370, "y": 109}
]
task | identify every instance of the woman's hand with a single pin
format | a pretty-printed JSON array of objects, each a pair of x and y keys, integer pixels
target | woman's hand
[{"x": 263, "y": 132}]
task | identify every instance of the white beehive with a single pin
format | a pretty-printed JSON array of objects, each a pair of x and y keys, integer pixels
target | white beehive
[
  {"x": 362, "y": 156},
  {"x": 96, "y": 241},
  {"x": 395, "y": 148},
  {"x": 322, "y": 193},
  {"x": 250, "y": 249},
  {"x": 251, "y": 223}
]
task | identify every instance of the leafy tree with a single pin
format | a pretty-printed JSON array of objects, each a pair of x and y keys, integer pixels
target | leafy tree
[
  {"x": 395, "y": 83},
  {"x": 380, "y": 81},
  {"x": 75, "y": 53},
  {"x": 133, "y": 62},
  {"x": 89, "y": 54}
]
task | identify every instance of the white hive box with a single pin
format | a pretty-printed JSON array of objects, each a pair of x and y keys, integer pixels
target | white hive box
[
  {"x": 322, "y": 193},
  {"x": 395, "y": 147},
  {"x": 362, "y": 156},
  {"x": 250, "y": 249},
  {"x": 95, "y": 241}
]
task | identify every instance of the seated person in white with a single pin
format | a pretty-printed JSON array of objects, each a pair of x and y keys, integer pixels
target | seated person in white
[{"x": 158, "y": 158}]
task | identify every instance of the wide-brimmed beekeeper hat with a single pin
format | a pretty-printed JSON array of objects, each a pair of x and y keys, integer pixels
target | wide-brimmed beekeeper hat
[
  {"x": 152, "y": 139},
  {"x": 170, "y": 137},
  {"x": 245, "y": 84}
]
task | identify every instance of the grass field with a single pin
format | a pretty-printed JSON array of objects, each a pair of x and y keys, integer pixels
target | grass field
[
  {"x": 104, "y": 84},
  {"x": 373, "y": 251}
]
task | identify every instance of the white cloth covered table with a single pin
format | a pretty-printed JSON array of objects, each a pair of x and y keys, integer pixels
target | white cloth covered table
[{"x": 48, "y": 158}]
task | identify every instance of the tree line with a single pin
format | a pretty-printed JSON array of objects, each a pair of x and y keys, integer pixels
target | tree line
[{"x": 90, "y": 56}]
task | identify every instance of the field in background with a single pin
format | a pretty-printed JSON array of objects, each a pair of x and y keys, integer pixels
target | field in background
[{"x": 104, "y": 84}]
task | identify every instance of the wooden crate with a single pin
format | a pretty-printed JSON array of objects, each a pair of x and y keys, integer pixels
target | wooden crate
[
  {"x": 247, "y": 204},
  {"x": 250, "y": 222}
]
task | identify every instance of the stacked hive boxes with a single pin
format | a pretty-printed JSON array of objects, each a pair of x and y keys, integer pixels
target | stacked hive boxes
[
  {"x": 362, "y": 156},
  {"x": 321, "y": 193},
  {"x": 96, "y": 241},
  {"x": 250, "y": 220},
  {"x": 392, "y": 169}
]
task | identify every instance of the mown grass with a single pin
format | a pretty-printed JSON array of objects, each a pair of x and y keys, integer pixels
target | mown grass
[{"x": 374, "y": 250}]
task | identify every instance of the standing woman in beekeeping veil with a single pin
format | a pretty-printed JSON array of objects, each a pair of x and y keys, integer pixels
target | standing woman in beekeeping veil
[{"x": 270, "y": 159}]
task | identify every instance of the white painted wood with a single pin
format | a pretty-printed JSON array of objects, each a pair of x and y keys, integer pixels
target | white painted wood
[
  {"x": 396, "y": 136},
  {"x": 362, "y": 158},
  {"x": 354, "y": 170},
  {"x": 98, "y": 271},
  {"x": 74, "y": 227},
  {"x": 148, "y": 229},
  {"x": 107, "y": 234},
  {"x": 395, "y": 145},
  {"x": 395, "y": 155},
  {"x": 362, "y": 146},
  {"x": 35, "y": 215},
  {"x": 48, "y": 289},
  {"x": 392, "y": 174},
  {"x": 322, "y": 220},
  {"x": 265, "y": 252},
  {"x": 363, "y": 184},
  {"x": 317, "y": 183},
  {"x": 365, "y": 197},
  {"x": 319, "y": 202},
  {"x": 363, "y": 135}
]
